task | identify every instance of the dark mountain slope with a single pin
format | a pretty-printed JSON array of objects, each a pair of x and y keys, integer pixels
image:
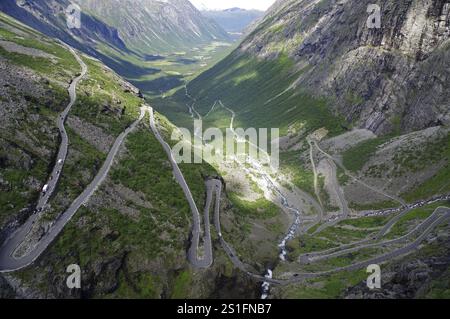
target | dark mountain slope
[{"x": 49, "y": 18}]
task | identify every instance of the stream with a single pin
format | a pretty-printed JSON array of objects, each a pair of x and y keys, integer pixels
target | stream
[{"x": 265, "y": 287}]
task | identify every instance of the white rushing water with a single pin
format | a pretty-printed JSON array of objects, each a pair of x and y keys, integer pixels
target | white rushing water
[
  {"x": 270, "y": 184},
  {"x": 265, "y": 287},
  {"x": 290, "y": 235}
]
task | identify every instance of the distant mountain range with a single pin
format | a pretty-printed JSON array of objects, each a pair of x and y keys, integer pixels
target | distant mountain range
[
  {"x": 234, "y": 20},
  {"x": 121, "y": 33},
  {"x": 156, "y": 26}
]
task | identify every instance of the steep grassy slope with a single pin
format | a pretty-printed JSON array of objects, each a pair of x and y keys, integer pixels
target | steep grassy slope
[
  {"x": 34, "y": 73},
  {"x": 132, "y": 231},
  {"x": 256, "y": 90},
  {"x": 34, "y": 91}
]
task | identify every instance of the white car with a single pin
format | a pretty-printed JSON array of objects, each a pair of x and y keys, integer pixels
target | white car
[
  {"x": 60, "y": 161},
  {"x": 45, "y": 188}
]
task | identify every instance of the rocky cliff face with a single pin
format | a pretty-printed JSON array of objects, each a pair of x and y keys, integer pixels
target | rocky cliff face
[{"x": 391, "y": 78}]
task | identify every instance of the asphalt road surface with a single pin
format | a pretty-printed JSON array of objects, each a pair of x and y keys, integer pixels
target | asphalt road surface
[
  {"x": 21, "y": 233},
  {"x": 384, "y": 230},
  {"x": 206, "y": 260},
  {"x": 62, "y": 153},
  {"x": 417, "y": 230},
  {"x": 8, "y": 262}
]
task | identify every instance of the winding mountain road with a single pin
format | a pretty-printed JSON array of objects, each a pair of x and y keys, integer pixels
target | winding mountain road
[
  {"x": 191, "y": 108},
  {"x": 62, "y": 152},
  {"x": 193, "y": 254},
  {"x": 369, "y": 244},
  {"x": 44, "y": 197},
  {"x": 439, "y": 216},
  {"x": 374, "y": 238},
  {"x": 8, "y": 261}
]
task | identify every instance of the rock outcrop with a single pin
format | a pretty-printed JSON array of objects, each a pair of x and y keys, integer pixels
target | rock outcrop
[{"x": 391, "y": 78}]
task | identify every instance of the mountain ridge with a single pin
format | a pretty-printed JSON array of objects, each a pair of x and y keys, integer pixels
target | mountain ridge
[{"x": 153, "y": 26}]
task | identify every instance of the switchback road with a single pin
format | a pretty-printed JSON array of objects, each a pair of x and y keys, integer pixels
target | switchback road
[{"x": 8, "y": 261}]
